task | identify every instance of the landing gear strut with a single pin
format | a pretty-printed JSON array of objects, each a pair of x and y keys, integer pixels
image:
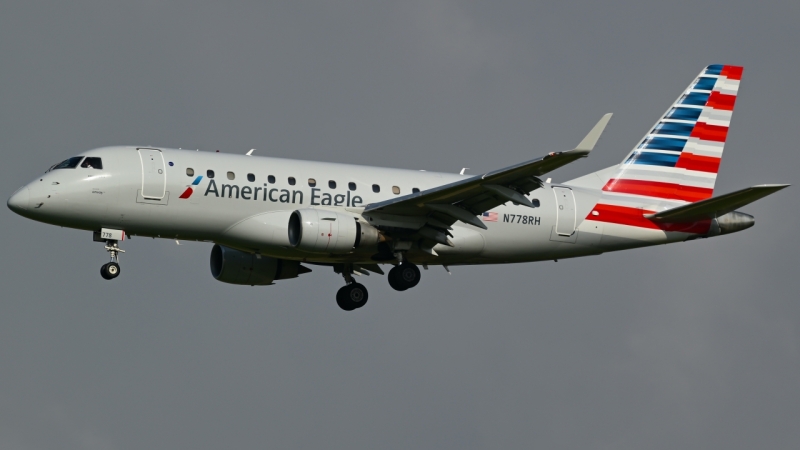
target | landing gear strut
[
  {"x": 353, "y": 295},
  {"x": 404, "y": 276},
  {"x": 111, "y": 270}
]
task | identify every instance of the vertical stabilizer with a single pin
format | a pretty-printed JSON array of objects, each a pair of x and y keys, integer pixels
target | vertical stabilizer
[
  {"x": 676, "y": 162},
  {"x": 678, "y": 159}
]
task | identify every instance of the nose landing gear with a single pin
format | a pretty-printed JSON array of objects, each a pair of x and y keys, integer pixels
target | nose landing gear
[{"x": 111, "y": 270}]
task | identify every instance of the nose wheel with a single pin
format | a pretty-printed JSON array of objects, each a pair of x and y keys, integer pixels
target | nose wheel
[{"x": 111, "y": 270}]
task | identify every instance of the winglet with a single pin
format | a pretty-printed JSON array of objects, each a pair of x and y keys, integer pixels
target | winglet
[{"x": 587, "y": 144}]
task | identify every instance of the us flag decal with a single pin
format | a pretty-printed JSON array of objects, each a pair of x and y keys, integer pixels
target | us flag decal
[{"x": 489, "y": 216}]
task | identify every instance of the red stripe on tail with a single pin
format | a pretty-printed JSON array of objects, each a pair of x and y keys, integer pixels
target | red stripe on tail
[
  {"x": 732, "y": 72},
  {"x": 690, "y": 161},
  {"x": 718, "y": 100},
  {"x": 658, "y": 189},
  {"x": 708, "y": 132}
]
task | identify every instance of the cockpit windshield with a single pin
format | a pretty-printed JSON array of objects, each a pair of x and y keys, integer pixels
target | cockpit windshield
[
  {"x": 70, "y": 163},
  {"x": 92, "y": 163}
]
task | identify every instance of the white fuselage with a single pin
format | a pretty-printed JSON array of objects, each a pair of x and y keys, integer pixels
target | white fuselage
[{"x": 246, "y": 186}]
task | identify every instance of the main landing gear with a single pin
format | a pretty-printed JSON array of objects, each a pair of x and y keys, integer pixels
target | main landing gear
[
  {"x": 404, "y": 276},
  {"x": 111, "y": 270},
  {"x": 353, "y": 295}
]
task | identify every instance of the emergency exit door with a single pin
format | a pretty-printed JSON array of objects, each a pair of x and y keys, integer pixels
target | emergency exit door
[
  {"x": 565, "y": 211},
  {"x": 154, "y": 174}
]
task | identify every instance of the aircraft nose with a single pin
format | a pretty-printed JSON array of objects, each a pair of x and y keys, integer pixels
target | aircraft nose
[{"x": 19, "y": 201}]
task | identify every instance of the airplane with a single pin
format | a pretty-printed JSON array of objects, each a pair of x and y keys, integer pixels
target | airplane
[{"x": 271, "y": 218}]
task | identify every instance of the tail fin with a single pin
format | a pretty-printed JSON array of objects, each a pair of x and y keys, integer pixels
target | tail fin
[{"x": 677, "y": 161}]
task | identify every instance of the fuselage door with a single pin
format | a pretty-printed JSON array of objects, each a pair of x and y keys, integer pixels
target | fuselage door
[
  {"x": 565, "y": 212},
  {"x": 154, "y": 174}
]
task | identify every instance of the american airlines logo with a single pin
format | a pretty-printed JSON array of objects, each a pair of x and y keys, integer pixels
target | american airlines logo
[
  {"x": 272, "y": 194},
  {"x": 189, "y": 191}
]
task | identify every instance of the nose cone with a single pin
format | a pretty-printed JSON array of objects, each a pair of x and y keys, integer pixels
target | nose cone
[{"x": 19, "y": 201}]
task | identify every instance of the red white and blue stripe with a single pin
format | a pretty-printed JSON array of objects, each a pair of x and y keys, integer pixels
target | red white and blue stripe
[{"x": 678, "y": 160}]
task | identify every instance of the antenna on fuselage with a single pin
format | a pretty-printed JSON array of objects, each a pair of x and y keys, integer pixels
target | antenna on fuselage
[{"x": 250, "y": 152}]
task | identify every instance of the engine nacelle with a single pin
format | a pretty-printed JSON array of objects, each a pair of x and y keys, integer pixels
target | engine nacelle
[
  {"x": 321, "y": 231},
  {"x": 237, "y": 267}
]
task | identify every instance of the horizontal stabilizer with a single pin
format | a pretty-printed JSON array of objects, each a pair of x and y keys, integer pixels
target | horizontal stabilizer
[{"x": 716, "y": 206}]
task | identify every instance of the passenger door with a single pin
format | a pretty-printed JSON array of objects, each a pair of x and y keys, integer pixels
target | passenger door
[
  {"x": 565, "y": 211},
  {"x": 154, "y": 174}
]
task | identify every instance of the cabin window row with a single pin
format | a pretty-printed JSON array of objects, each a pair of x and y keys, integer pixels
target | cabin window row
[{"x": 312, "y": 182}]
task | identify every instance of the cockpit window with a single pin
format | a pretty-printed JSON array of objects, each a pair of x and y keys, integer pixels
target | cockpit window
[
  {"x": 68, "y": 163},
  {"x": 92, "y": 163}
]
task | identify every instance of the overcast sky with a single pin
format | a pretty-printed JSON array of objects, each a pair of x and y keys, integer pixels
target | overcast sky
[{"x": 692, "y": 345}]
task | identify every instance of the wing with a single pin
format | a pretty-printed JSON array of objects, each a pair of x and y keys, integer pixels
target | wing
[{"x": 431, "y": 212}]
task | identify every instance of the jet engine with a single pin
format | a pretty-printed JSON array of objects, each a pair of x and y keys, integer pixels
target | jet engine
[
  {"x": 238, "y": 267},
  {"x": 320, "y": 231}
]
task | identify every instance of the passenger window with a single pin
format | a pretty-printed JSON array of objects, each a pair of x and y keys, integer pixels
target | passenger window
[
  {"x": 395, "y": 190},
  {"x": 251, "y": 177},
  {"x": 92, "y": 163},
  {"x": 312, "y": 182},
  {"x": 351, "y": 186},
  {"x": 292, "y": 181},
  {"x": 68, "y": 163},
  {"x": 210, "y": 173},
  {"x": 376, "y": 188},
  {"x": 332, "y": 184},
  {"x": 271, "y": 179},
  {"x": 535, "y": 202},
  {"x": 189, "y": 172},
  {"x": 414, "y": 190},
  {"x": 231, "y": 175}
]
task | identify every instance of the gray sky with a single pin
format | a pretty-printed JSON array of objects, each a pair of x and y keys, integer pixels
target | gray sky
[{"x": 693, "y": 345}]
